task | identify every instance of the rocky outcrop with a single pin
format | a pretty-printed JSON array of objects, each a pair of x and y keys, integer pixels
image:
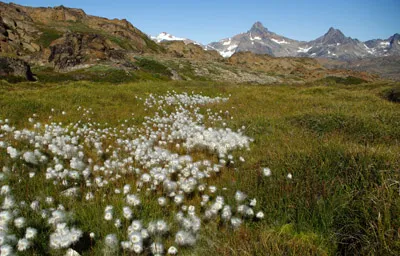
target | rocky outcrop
[
  {"x": 15, "y": 67},
  {"x": 180, "y": 49},
  {"x": 67, "y": 38},
  {"x": 18, "y": 33},
  {"x": 77, "y": 50},
  {"x": 68, "y": 17}
]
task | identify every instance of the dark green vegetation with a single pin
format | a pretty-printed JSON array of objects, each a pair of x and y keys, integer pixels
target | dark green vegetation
[
  {"x": 341, "y": 143},
  {"x": 350, "y": 80},
  {"x": 48, "y": 35},
  {"x": 142, "y": 70},
  {"x": 393, "y": 94}
]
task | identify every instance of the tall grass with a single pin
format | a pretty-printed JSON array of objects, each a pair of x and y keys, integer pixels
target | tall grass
[{"x": 341, "y": 144}]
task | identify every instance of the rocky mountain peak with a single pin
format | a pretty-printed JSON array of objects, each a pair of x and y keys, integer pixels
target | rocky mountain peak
[
  {"x": 395, "y": 37},
  {"x": 333, "y": 32},
  {"x": 258, "y": 27},
  {"x": 333, "y": 36}
]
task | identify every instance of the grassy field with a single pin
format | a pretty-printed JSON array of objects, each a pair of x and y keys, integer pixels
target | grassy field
[{"x": 341, "y": 143}]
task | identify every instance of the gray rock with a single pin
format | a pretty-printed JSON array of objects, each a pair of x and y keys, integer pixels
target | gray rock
[{"x": 15, "y": 67}]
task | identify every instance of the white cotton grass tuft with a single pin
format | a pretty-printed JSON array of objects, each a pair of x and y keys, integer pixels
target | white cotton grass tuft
[
  {"x": 108, "y": 212},
  {"x": 30, "y": 233},
  {"x": 236, "y": 222},
  {"x": 111, "y": 241},
  {"x": 64, "y": 237},
  {"x": 136, "y": 226},
  {"x": 266, "y": 172},
  {"x": 23, "y": 245},
  {"x": 5, "y": 190},
  {"x": 133, "y": 200},
  {"x": 117, "y": 223},
  {"x": 19, "y": 222},
  {"x": 157, "y": 248},
  {"x": 127, "y": 212},
  {"x": 184, "y": 238},
  {"x": 162, "y": 201},
  {"x": 260, "y": 215},
  {"x": 226, "y": 213},
  {"x": 8, "y": 202},
  {"x": 240, "y": 196},
  {"x": 6, "y": 250},
  {"x": 159, "y": 227},
  {"x": 12, "y": 152},
  {"x": 172, "y": 250}
]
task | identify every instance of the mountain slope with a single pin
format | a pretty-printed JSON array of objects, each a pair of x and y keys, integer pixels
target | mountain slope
[
  {"x": 333, "y": 44},
  {"x": 33, "y": 33}
]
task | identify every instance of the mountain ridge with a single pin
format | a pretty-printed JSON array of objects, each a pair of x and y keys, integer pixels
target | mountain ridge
[{"x": 333, "y": 44}]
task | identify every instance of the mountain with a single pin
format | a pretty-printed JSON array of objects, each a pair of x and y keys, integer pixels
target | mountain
[
  {"x": 387, "y": 47},
  {"x": 164, "y": 37},
  {"x": 257, "y": 40},
  {"x": 333, "y": 44}
]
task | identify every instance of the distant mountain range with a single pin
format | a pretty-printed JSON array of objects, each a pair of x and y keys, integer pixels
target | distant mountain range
[{"x": 334, "y": 45}]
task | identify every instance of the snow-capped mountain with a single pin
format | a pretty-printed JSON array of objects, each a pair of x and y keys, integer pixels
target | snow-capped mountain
[
  {"x": 164, "y": 36},
  {"x": 258, "y": 40},
  {"x": 388, "y": 47},
  {"x": 333, "y": 44}
]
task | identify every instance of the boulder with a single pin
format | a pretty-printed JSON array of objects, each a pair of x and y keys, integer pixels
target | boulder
[{"x": 15, "y": 67}]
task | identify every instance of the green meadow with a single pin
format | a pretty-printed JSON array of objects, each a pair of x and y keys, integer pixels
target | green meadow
[{"x": 340, "y": 142}]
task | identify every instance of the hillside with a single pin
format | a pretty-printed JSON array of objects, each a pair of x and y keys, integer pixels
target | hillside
[
  {"x": 60, "y": 35},
  {"x": 386, "y": 67},
  {"x": 80, "y": 46}
]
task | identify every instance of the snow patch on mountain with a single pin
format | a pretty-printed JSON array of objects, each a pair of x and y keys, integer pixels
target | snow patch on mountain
[
  {"x": 254, "y": 38},
  {"x": 164, "y": 36},
  {"x": 305, "y": 50},
  {"x": 279, "y": 42},
  {"x": 229, "y": 51},
  {"x": 227, "y": 42}
]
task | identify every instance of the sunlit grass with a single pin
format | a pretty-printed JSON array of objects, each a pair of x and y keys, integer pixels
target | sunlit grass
[{"x": 341, "y": 144}]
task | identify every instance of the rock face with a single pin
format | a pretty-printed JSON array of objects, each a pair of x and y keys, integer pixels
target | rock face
[
  {"x": 15, "y": 67},
  {"x": 180, "y": 49},
  {"x": 75, "y": 50},
  {"x": 68, "y": 38}
]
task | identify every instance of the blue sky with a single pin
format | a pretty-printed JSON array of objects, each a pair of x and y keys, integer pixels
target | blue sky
[{"x": 206, "y": 21}]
